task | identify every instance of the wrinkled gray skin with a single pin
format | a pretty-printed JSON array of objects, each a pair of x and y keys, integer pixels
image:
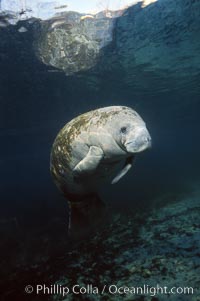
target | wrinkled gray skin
[{"x": 91, "y": 148}]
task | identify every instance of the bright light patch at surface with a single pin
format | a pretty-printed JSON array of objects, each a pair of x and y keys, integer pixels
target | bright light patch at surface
[
  {"x": 47, "y": 8},
  {"x": 147, "y": 2}
]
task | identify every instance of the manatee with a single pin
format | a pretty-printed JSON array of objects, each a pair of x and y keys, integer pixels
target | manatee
[{"x": 94, "y": 148}]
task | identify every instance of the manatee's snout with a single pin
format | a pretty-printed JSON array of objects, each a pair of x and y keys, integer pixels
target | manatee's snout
[
  {"x": 139, "y": 141},
  {"x": 143, "y": 141}
]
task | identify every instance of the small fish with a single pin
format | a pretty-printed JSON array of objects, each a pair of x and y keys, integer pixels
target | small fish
[
  {"x": 60, "y": 7},
  {"x": 87, "y": 17},
  {"x": 57, "y": 23},
  {"x": 22, "y": 29}
]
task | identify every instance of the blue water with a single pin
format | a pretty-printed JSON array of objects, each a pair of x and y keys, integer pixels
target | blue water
[{"x": 35, "y": 105}]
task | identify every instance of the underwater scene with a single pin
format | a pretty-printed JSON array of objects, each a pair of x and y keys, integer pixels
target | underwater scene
[{"x": 100, "y": 151}]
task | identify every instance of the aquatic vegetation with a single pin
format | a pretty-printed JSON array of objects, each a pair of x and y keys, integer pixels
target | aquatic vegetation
[{"x": 158, "y": 247}]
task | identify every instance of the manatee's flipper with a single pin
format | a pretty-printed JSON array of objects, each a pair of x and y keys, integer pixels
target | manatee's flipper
[
  {"x": 85, "y": 214},
  {"x": 90, "y": 162},
  {"x": 125, "y": 169}
]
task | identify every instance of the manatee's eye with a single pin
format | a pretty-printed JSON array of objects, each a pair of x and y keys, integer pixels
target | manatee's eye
[{"x": 123, "y": 130}]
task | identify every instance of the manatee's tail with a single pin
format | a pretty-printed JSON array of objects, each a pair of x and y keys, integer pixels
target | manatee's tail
[{"x": 86, "y": 213}]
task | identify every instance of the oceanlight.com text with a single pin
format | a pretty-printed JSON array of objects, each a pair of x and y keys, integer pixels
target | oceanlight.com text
[{"x": 112, "y": 289}]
